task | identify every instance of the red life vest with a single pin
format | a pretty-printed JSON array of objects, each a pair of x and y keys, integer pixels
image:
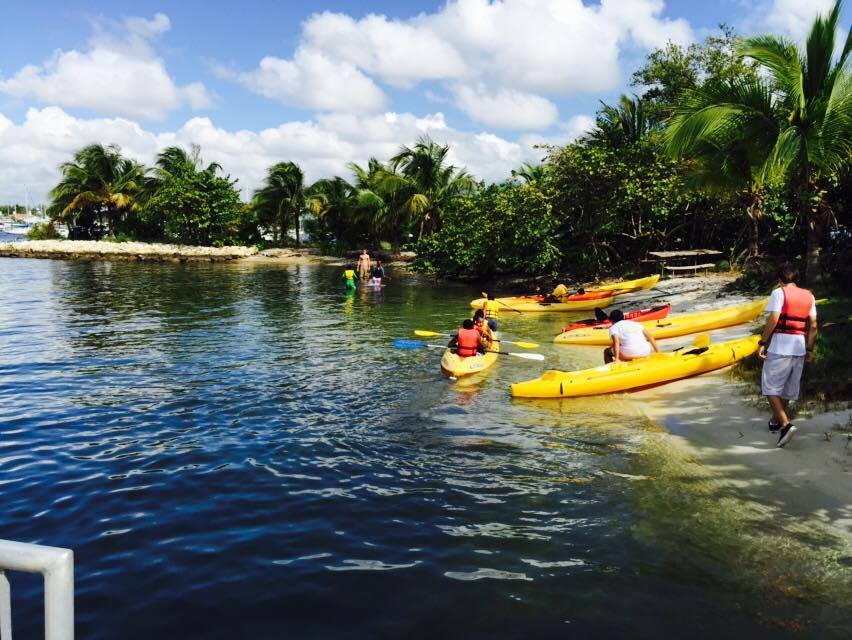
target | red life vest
[
  {"x": 795, "y": 311},
  {"x": 468, "y": 342}
]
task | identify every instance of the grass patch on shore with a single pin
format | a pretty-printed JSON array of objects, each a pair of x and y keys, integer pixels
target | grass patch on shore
[{"x": 829, "y": 377}]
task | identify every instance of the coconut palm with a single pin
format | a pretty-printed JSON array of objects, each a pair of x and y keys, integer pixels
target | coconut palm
[
  {"x": 176, "y": 161},
  {"x": 529, "y": 172},
  {"x": 281, "y": 199},
  {"x": 813, "y": 89},
  {"x": 99, "y": 184},
  {"x": 428, "y": 183},
  {"x": 726, "y": 131},
  {"x": 621, "y": 124},
  {"x": 332, "y": 200}
]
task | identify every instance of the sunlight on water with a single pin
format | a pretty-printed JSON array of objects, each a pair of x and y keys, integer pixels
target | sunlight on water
[{"x": 245, "y": 437}]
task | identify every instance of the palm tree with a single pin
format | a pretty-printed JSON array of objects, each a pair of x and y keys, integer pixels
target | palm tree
[
  {"x": 281, "y": 199},
  {"x": 381, "y": 195},
  {"x": 332, "y": 200},
  {"x": 99, "y": 183},
  {"x": 622, "y": 124},
  {"x": 529, "y": 172},
  {"x": 176, "y": 161},
  {"x": 727, "y": 131},
  {"x": 813, "y": 89},
  {"x": 428, "y": 182}
]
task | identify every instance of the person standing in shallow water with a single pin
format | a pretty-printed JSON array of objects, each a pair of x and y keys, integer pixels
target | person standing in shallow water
[
  {"x": 364, "y": 265},
  {"x": 786, "y": 344}
]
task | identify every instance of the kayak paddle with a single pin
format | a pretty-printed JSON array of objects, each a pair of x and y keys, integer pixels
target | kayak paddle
[
  {"x": 430, "y": 334},
  {"x": 413, "y": 344}
]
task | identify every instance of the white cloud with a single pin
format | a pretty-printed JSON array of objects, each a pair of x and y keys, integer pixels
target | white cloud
[
  {"x": 400, "y": 53},
  {"x": 791, "y": 18},
  {"x": 118, "y": 74},
  {"x": 32, "y": 150},
  {"x": 311, "y": 79},
  {"x": 557, "y": 47},
  {"x": 524, "y": 51},
  {"x": 506, "y": 108}
]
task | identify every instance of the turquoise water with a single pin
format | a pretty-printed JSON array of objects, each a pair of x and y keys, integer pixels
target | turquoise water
[{"x": 237, "y": 451}]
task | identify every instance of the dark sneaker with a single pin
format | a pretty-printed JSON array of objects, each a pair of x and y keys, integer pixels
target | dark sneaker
[
  {"x": 787, "y": 434},
  {"x": 774, "y": 426}
]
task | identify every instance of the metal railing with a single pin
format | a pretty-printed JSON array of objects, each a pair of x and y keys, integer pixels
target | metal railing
[{"x": 57, "y": 567}]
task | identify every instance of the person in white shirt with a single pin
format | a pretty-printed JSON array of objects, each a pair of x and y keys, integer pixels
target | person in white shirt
[
  {"x": 787, "y": 343},
  {"x": 630, "y": 340}
]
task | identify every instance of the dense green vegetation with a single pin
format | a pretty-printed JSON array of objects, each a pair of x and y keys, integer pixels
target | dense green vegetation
[{"x": 743, "y": 145}]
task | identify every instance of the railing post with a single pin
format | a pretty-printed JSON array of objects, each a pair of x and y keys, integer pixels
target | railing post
[
  {"x": 59, "y": 598},
  {"x": 5, "y": 608}
]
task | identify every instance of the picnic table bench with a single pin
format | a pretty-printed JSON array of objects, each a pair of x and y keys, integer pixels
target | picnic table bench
[{"x": 664, "y": 257}]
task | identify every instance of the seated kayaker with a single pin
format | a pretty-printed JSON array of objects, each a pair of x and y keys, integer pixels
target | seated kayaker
[
  {"x": 492, "y": 310},
  {"x": 559, "y": 292},
  {"x": 467, "y": 341},
  {"x": 483, "y": 327},
  {"x": 630, "y": 340}
]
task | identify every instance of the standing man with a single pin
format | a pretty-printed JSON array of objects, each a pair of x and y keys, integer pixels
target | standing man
[
  {"x": 790, "y": 334},
  {"x": 364, "y": 265}
]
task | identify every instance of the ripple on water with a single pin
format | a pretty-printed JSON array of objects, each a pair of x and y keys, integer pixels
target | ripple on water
[{"x": 243, "y": 437}]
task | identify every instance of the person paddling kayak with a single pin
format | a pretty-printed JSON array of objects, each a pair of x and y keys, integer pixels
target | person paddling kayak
[
  {"x": 630, "y": 340},
  {"x": 483, "y": 327},
  {"x": 468, "y": 341},
  {"x": 790, "y": 334}
]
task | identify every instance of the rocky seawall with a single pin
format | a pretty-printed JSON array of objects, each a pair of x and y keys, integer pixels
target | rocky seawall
[{"x": 137, "y": 251}]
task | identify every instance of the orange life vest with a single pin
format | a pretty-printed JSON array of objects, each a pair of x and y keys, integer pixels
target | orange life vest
[
  {"x": 468, "y": 342},
  {"x": 795, "y": 311}
]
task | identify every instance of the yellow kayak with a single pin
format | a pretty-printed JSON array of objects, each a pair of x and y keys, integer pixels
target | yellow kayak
[
  {"x": 627, "y": 286},
  {"x": 643, "y": 372},
  {"x": 456, "y": 367},
  {"x": 673, "y": 326},
  {"x": 593, "y": 297}
]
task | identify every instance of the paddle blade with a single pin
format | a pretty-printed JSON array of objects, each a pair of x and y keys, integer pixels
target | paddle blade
[
  {"x": 427, "y": 334},
  {"x": 528, "y": 356},
  {"x": 702, "y": 340},
  {"x": 408, "y": 344},
  {"x": 526, "y": 345}
]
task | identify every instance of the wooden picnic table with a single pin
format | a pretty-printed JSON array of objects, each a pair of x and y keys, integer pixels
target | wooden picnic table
[{"x": 664, "y": 257}]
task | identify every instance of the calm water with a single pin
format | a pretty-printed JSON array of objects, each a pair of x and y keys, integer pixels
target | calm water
[{"x": 237, "y": 451}]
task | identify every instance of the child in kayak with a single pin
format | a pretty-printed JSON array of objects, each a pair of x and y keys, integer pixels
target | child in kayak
[
  {"x": 630, "y": 340},
  {"x": 468, "y": 341},
  {"x": 483, "y": 327}
]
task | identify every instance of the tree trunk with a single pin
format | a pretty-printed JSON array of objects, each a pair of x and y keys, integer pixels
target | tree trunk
[
  {"x": 754, "y": 211},
  {"x": 298, "y": 232},
  {"x": 816, "y": 218}
]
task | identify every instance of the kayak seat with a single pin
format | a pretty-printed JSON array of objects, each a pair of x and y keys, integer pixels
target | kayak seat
[{"x": 695, "y": 352}]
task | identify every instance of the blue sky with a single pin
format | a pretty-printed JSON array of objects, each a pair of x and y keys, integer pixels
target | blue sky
[{"x": 322, "y": 83}]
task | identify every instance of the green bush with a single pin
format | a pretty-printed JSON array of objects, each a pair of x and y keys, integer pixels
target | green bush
[{"x": 43, "y": 231}]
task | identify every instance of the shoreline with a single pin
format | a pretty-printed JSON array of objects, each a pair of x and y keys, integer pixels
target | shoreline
[
  {"x": 157, "y": 252},
  {"x": 721, "y": 422}
]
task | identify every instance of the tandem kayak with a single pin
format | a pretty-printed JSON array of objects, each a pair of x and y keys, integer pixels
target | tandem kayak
[
  {"x": 455, "y": 367},
  {"x": 639, "y": 315},
  {"x": 656, "y": 369},
  {"x": 601, "y": 296},
  {"x": 674, "y": 326}
]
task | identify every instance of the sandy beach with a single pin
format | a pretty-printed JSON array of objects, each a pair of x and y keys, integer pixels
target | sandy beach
[{"x": 722, "y": 422}]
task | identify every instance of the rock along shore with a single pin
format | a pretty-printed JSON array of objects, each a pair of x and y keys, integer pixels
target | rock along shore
[{"x": 139, "y": 251}]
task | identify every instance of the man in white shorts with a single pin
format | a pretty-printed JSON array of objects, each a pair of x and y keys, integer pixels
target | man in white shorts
[
  {"x": 630, "y": 340},
  {"x": 790, "y": 334}
]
